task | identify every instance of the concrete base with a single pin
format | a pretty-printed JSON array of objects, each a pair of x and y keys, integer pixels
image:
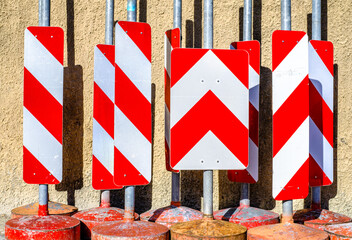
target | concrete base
[
  {"x": 247, "y": 216},
  {"x": 208, "y": 229},
  {"x": 339, "y": 231},
  {"x": 131, "y": 230},
  {"x": 171, "y": 215},
  {"x": 54, "y": 209},
  {"x": 43, "y": 227}
]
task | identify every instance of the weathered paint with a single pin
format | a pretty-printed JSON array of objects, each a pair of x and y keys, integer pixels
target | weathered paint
[
  {"x": 96, "y": 216},
  {"x": 339, "y": 231},
  {"x": 171, "y": 215},
  {"x": 54, "y": 209},
  {"x": 132, "y": 230},
  {"x": 208, "y": 229},
  {"x": 286, "y": 231},
  {"x": 319, "y": 218},
  {"x": 43, "y": 227},
  {"x": 247, "y": 216}
]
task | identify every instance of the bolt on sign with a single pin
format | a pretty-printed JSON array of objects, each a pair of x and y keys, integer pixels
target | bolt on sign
[
  {"x": 171, "y": 41},
  {"x": 321, "y": 113},
  {"x": 42, "y": 105},
  {"x": 103, "y": 118},
  {"x": 250, "y": 174},
  {"x": 209, "y": 109},
  {"x": 290, "y": 115},
  {"x": 133, "y": 120}
]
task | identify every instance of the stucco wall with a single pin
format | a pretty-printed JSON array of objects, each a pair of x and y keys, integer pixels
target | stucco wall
[{"x": 83, "y": 23}]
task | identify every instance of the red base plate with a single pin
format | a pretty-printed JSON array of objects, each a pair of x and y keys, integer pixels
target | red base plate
[
  {"x": 54, "y": 209},
  {"x": 339, "y": 231},
  {"x": 247, "y": 216}
]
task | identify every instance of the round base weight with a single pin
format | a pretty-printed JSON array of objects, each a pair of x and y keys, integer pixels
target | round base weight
[
  {"x": 95, "y": 216},
  {"x": 133, "y": 230},
  {"x": 54, "y": 209},
  {"x": 170, "y": 215},
  {"x": 43, "y": 227},
  {"x": 319, "y": 218},
  {"x": 286, "y": 231},
  {"x": 247, "y": 216},
  {"x": 339, "y": 231},
  {"x": 209, "y": 230}
]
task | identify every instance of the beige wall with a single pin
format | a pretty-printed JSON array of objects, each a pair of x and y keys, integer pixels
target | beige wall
[{"x": 83, "y": 23}]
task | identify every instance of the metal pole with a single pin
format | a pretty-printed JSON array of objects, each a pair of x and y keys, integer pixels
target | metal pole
[
  {"x": 44, "y": 20},
  {"x": 208, "y": 174},
  {"x": 131, "y": 10},
  {"x": 287, "y": 206},
  {"x": 316, "y": 35},
  {"x": 247, "y": 35},
  {"x": 178, "y": 14}
]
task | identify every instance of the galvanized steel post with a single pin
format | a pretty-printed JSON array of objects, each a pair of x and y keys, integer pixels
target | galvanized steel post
[
  {"x": 43, "y": 200},
  {"x": 131, "y": 10},
  {"x": 178, "y": 14}
]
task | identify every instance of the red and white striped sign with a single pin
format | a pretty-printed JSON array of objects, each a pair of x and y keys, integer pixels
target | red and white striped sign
[
  {"x": 172, "y": 41},
  {"x": 133, "y": 120},
  {"x": 42, "y": 105},
  {"x": 209, "y": 109},
  {"x": 250, "y": 174},
  {"x": 321, "y": 108},
  {"x": 103, "y": 118},
  {"x": 290, "y": 115}
]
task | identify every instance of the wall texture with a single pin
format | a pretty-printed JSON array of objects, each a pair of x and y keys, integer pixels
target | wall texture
[{"x": 83, "y": 23}]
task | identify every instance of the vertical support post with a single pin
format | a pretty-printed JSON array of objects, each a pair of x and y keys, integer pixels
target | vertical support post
[
  {"x": 44, "y": 20},
  {"x": 208, "y": 174},
  {"x": 109, "y": 38},
  {"x": 316, "y": 35},
  {"x": 175, "y": 186},
  {"x": 131, "y": 10},
  {"x": 287, "y": 206},
  {"x": 247, "y": 35}
]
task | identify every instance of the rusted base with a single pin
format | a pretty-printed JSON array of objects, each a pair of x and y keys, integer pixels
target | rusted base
[
  {"x": 319, "y": 218},
  {"x": 170, "y": 215},
  {"x": 208, "y": 230},
  {"x": 45, "y": 227},
  {"x": 96, "y": 216},
  {"x": 286, "y": 231},
  {"x": 54, "y": 209},
  {"x": 339, "y": 231},
  {"x": 247, "y": 216},
  {"x": 131, "y": 230}
]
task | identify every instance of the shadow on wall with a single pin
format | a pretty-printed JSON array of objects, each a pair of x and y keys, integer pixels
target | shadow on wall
[{"x": 73, "y": 116}]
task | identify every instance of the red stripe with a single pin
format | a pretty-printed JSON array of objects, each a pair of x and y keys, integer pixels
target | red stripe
[
  {"x": 108, "y": 51},
  {"x": 297, "y": 187},
  {"x": 102, "y": 179},
  {"x": 52, "y": 38},
  {"x": 290, "y": 115},
  {"x": 317, "y": 177},
  {"x": 34, "y": 172},
  {"x": 125, "y": 173},
  {"x": 325, "y": 50},
  {"x": 241, "y": 176},
  {"x": 253, "y": 48},
  {"x": 173, "y": 36},
  {"x": 167, "y": 158},
  {"x": 103, "y": 110},
  {"x": 253, "y": 124},
  {"x": 321, "y": 114},
  {"x": 133, "y": 103},
  {"x": 140, "y": 34},
  {"x": 204, "y": 116},
  {"x": 167, "y": 89},
  {"x": 43, "y": 106}
]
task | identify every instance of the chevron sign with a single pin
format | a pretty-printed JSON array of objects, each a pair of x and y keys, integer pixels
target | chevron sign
[
  {"x": 209, "y": 109},
  {"x": 290, "y": 115},
  {"x": 250, "y": 174},
  {"x": 321, "y": 106},
  {"x": 103, "y": 118},
  {"x": 42, "y": 105},
  {"x": 133, "y": 119}
]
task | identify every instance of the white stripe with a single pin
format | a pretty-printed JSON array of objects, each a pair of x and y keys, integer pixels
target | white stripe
[
  {"x": 321, "y": 150},
  {"x": 254, "y": 88},
  {"x": 253, "y": 160},
  {"x": 321, "y": 77},
  {"x": 167, "y": 125},
  {"x": 103, "y": 147},
  {"x": 209, "y": 153},
  {"x": 168, "y": 49},
  {"x": 43, "y": 146},
  {"x": 104, "y": 74},
  {"x": 291, "y": 157},
  {"x": 190, "y": 89},
  {"x": 43, "y": 66},
  {"x": 132, "y": 144},
  {"x": 133, "y": 62},
  {"x": 290, "y": 73}
]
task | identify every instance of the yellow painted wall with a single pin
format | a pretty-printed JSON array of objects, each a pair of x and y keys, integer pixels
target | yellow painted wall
[{"x": 83, "y": 23}]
